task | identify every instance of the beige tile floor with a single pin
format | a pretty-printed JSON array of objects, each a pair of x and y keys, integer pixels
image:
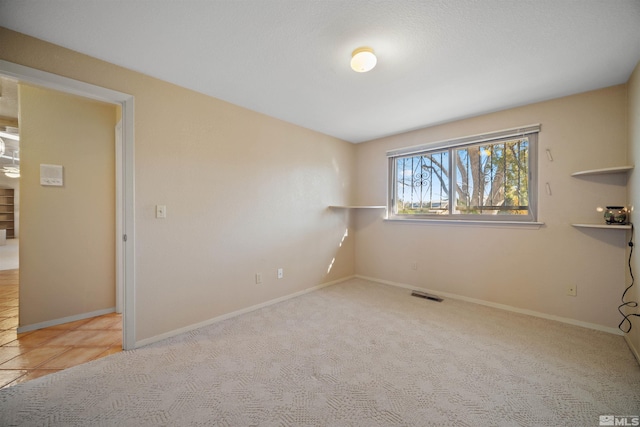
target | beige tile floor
[{"x": 33, "y": 354}]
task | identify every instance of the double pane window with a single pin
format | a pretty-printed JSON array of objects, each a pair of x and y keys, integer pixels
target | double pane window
[{"x": 490, "y": 180}]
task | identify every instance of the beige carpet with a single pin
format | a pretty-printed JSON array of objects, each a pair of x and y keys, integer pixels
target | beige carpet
[{"x": 353, "y": 354}]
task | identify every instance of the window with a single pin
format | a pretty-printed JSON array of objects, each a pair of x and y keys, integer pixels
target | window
[{"x": 490, "y": 177}]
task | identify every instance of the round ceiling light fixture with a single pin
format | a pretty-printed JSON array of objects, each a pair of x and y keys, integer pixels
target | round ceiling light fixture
[{"x": 363, "y": 59}]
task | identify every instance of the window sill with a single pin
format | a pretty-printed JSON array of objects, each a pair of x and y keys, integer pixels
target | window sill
[{"x": 467, "y": 222}]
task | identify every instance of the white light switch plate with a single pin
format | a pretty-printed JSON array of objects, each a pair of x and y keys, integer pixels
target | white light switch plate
[{"x": 161, "y": 211}]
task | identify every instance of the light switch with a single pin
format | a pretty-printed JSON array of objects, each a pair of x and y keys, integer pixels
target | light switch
[{"x": 161, "y": 211}]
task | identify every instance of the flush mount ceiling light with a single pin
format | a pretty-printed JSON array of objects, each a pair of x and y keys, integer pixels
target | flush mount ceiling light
[
  {"x": 363, "y": 59},
  {"x": 12, "y": 174}
]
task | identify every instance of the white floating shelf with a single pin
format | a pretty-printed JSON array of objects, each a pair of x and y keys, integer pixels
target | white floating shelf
[
  {"x": 607, "y": 226},
  {"x": 357, "y": 207},
  {"x": 617, "y": 169}
]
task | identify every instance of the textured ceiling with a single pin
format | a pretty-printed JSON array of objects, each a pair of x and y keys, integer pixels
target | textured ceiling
[{"x": 438, "y": 61}]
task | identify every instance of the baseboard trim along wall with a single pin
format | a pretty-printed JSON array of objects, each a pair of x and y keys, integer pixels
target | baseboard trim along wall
[
  {"x": 55, "y": 322},
  {"x": 588, "y": 325},
  {"x": 220, "y": 318}
]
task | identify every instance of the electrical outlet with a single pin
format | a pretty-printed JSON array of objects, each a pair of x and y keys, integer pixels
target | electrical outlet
[
  {"x": 414, "y": 265},
  {"x": 572, "y": 290},
  {"x": 280, "y": 273},
  {"x": 258, "y": 278}
]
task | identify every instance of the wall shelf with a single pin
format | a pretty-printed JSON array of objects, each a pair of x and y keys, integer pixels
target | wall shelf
[
  {"x": 357, "y": 207},
  {"x": 604, "y": 226},
  {"x": 7, "y": 212},
  {"x": 617, "y": 169},
  {"x": 603, "y": 171}
]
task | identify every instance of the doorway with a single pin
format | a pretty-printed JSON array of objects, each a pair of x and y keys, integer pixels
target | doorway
[
  {"x": 124, "y": 234},
  {"x": 80, "y": 220}
]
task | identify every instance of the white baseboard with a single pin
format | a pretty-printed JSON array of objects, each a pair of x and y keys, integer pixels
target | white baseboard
[
  {"x": 588, "y": 325},
  {"x": 634, "y": 350},
  {"x": 55, "y": 322},
  {"x": 220, "y": 318}
]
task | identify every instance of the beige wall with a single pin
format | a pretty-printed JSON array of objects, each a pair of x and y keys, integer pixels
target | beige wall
[
  {"x": 245, "y": 193},
  {"x": 526, "y": 268},
  {"x": 67, "y": 248},
  {"x": 634, "y": 198}
]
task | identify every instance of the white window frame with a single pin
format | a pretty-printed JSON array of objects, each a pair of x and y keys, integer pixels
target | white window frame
[{"x": 451, "y": 145}]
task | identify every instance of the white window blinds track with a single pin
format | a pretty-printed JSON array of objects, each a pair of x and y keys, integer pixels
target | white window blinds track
[{"x": 485, "y": 137}]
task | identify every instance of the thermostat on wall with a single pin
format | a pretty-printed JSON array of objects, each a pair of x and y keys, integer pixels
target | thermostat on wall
[{"x": 51, "y": 175}]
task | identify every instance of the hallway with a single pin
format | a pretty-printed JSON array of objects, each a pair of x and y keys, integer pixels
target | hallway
[{"x": 33, "y": 354}]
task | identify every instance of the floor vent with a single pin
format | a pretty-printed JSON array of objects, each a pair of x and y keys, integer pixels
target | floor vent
[{"x": 426, "y": 296}]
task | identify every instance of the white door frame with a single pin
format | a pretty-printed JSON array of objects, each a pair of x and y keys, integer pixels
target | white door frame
[
  {"x": 125, "y": 227},
  {"x": 119, "y": 236}
]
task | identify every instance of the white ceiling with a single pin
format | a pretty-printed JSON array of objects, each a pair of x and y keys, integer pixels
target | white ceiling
[{"x": 438, "y": 60}]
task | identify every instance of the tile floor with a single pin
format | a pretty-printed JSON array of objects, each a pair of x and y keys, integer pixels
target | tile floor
[{"x": 33, "y": 354}]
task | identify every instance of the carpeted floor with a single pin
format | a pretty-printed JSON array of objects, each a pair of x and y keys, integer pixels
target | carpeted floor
[{"x": 353, "y": 354}]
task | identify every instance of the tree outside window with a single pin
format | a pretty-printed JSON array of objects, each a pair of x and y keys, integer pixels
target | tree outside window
[{"x": 482, "y": 180}]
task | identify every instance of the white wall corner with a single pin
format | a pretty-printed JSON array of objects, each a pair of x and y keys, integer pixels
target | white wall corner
[{"x": 634, "y": 351}]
